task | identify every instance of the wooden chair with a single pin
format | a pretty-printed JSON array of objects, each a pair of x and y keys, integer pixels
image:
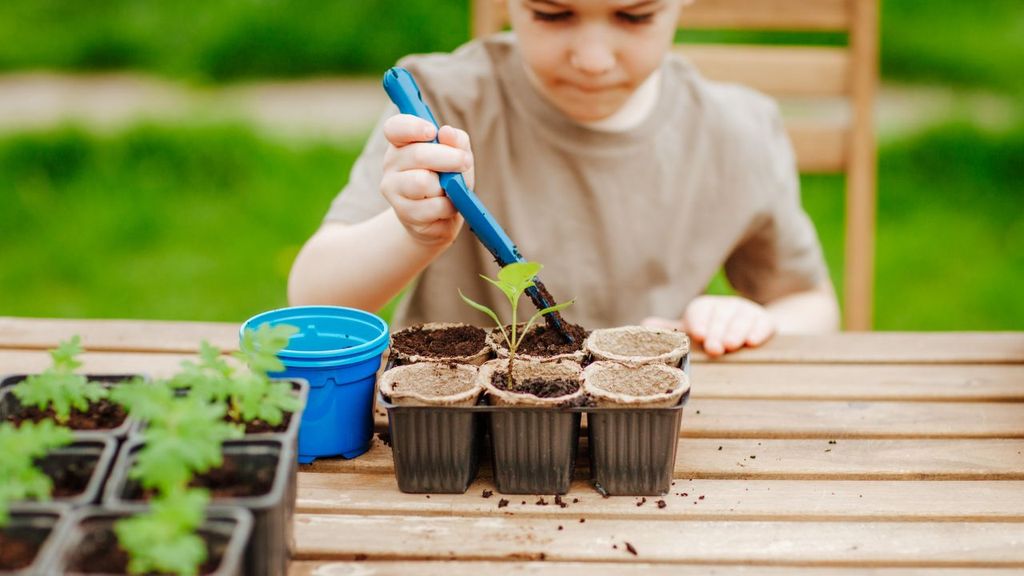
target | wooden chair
[{"x": 846, "y": 73}]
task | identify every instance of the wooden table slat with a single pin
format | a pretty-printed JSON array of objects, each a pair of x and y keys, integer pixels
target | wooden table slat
[
  {"x": 995, "y": 459},
  {"x": 377, "y": 494},
  {"x": 638, "y": 568},
  {"x": 921, "y": 544},
  {"x": 929, "y": 382},
  {"x": 852, "y": 347}
]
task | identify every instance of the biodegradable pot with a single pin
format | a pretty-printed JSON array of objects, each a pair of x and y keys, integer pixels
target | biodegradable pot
[
  {"x": 476, "y": 353},
  {"x": 497, "y": 343},
  {"x": 533, "y": 442},
  {"x": 431, "y": 384},
  {"x": 10, "y": 405},
  {"x": 639, "y": 345},
  {"x": 633, "y": 430},
  {"x": 89, "y": 538},
  {"x": 338, "y": 351},
  {"x": 435, "y": 445},
  {"x": 269, "y": 461},
  {"x": 29, "y": 541},
  {"x": 634, "y": 386}
]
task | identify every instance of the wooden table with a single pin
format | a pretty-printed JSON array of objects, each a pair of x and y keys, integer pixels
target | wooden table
[{"x": 889, "y": 453}]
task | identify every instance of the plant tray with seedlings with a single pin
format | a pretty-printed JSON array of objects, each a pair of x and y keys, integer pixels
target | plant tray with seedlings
[
  {"x": 28, "y": 538},
  {"x": 79, "y": 401},
  {"x": 92, "y": 540},
  {"x": 253, "y": 474},
  {"x": 531, "y": 400}
]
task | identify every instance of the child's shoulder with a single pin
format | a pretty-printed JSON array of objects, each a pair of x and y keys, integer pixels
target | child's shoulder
[
  {"x": 463, "y": 76},
  {"x": 738, "y": 120}
]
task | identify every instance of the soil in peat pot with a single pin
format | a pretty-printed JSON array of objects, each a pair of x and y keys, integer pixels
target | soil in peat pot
[{"x": 441, "y": 343}]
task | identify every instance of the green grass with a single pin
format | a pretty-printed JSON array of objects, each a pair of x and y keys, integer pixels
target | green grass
[
  {"x": 976, "y": 43},
  {"x": 199, "y": 223},
  {"x": 203, "y": 223}
]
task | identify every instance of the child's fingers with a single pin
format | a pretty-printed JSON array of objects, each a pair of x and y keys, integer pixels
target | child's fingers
[
  {"x": 402, "y": 129},
  {"x": 739, "y": 328},
  {"x": 718, "y": 321},
  {"x": 411, "y": 184},
  {"x": 761, "y": 331},
  {"x": 697, "y": 316},
  {"x": 454, "y": 137},
  {"x": 424, "y": 212},
  {"x": 426, "y": 156}
]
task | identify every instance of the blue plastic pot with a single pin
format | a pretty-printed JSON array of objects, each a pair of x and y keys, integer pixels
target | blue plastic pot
[{"x": 338, "y": 351}]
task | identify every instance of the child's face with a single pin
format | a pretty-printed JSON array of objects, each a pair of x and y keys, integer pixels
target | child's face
[{"x": 590, "y": 55}]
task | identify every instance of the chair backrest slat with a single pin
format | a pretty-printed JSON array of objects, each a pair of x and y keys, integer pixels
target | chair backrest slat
[
  {"x": 807, "y": 15},
  {"x": 780, "y": 71}
]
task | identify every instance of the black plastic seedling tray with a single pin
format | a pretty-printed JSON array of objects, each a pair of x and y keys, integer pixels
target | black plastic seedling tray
[
  {"x": 40, "y": 524},
  {"x": 226, "y": 530},
  {"x": 436, "y": 448},
  {"x": 9, "y": 404},
  {"x": 269, "y": 546}
]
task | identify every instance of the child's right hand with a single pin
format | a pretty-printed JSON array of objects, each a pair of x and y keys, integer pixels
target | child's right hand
[{"x": 410, "y": 183}]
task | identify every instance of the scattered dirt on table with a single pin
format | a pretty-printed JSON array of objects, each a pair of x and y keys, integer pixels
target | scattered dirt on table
[
  {"x": 487, "y": 493},
  {"x": 502, "y": 503},
  {"x": 662, "y": 504},
  {"x": 630, "y": 549},
  {"x": 385, "y": 438}
]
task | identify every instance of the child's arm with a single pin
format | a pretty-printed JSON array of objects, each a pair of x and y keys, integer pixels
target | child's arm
[
  {"x": 728, "y": 323},
  {"x": 364, "y": 265}
]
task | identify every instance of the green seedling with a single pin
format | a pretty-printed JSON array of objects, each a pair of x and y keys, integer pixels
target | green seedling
[
  {"x": 20, "y": 447},
  {"x": 58, "y": 387},
  {"x": 183, "y": 437},
  {"x": 513, "y": 280},
  {"x": 164, "y": 539},
  {"x": 249, "y": 394}
]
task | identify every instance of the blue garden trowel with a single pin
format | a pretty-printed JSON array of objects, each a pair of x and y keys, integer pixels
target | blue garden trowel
[{"x": 403, "y": 91}]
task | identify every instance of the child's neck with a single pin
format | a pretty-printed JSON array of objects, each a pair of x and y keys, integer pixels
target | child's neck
[
  {"x": 632, "y": 113},
  {"x": 635, "y": 110}
]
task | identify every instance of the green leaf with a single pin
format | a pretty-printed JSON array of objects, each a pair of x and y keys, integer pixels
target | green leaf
[
  {"x": 165, "y": 539},
  {"x": 258, "y": 348},
  {"x": 485, "y": 310},
  {"x": 519, "y": 275},
  {"x": 64, "y": 355},
  {"x": 19, "y": 449},
  {"x": 58, "y": 387},
  {"x": 547, "y": 310}
]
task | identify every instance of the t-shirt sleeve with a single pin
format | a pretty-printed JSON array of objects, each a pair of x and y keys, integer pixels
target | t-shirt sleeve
[
  {"x": 360, "y": 198},
  {"x": 780, "y": 254}
]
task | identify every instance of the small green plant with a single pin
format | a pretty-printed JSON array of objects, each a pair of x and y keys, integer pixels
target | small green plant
[
  {"x": 58, "y": 387},
  {"x": 20, "y": 447},
  {"x": 183, "y": 437},
  {"x": 165, "y": 539},
  {"x": 250, "y": 394},
  {"x": 513, "y": 280}
]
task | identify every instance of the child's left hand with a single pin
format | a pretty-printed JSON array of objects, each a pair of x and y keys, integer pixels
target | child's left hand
[{"x": 722, "y": 323}]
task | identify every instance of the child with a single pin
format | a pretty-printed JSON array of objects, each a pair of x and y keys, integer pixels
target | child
[{"x": 604, "y": 157}]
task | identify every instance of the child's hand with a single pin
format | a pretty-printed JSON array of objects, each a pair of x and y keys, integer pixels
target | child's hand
[
  {"x": 722, "y": 323},
  {"x": 410, "y": 183}
]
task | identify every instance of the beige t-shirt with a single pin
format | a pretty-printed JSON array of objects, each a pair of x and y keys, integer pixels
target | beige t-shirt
[{"x": 631, "y": 223}]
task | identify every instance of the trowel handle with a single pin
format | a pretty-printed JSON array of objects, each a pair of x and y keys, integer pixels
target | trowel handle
[{"x": 403, "y": 91}]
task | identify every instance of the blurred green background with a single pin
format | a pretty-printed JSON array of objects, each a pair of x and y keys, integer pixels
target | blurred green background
[{"x": 199, "y": 218}]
